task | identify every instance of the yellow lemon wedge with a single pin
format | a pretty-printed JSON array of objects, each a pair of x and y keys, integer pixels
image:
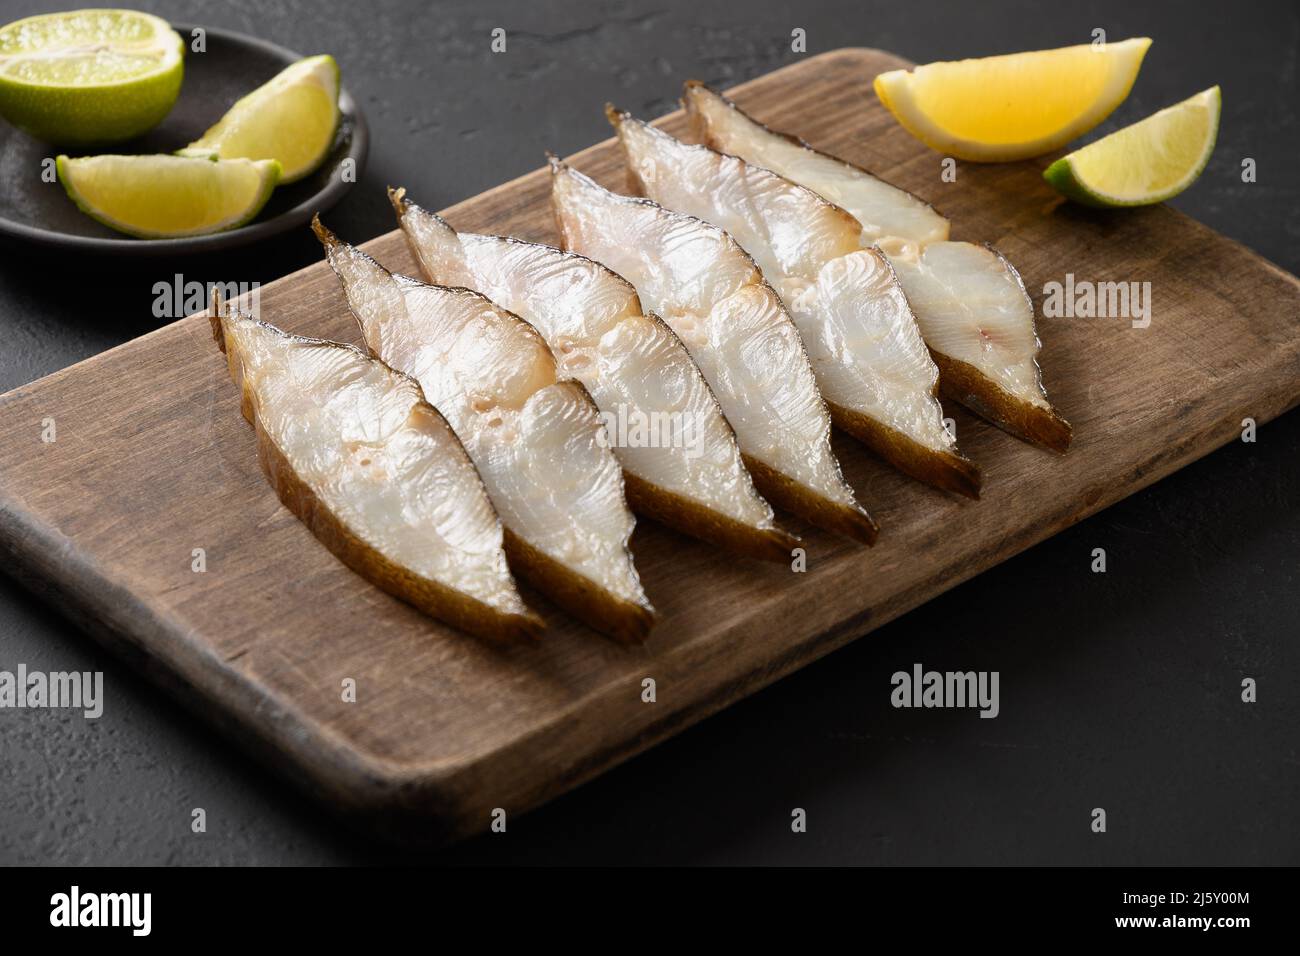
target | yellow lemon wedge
[
  {"x": 1003, "y": 108},
  {"x": 1153, "y": 160}
]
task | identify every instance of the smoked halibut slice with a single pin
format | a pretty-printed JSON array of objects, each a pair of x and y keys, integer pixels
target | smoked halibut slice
[{"x": 352, "y": 448}]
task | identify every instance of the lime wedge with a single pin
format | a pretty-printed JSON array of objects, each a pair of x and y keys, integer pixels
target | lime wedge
[
  {"x": 89, "y": 76},
  {"x": 292, "y": 118},
  {"x": 1153, "y": 160},
  {"x": 163, "y": 197}
]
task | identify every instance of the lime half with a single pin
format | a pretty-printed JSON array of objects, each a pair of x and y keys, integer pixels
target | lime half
[
  {"x": 292, "y": 118},
  {"x": 89, "y": 76},
  {"x": 163, "y": 197},
  {"x": 1153, "y": 160}
]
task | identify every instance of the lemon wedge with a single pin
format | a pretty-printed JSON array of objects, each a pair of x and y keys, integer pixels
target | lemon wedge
[
  {"x": 1003, "y": 108},
  {"x": 164, "y": 197},
  {"x": 1153, "y": 160}
]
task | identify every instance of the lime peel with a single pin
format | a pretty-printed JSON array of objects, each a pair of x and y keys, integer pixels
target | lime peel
[
  {"x": 165, "y": 197},
  {"x": 89, "y": 76},
  {"x": 1147, "y": 162},
  {"x": 292, "y": 118}
]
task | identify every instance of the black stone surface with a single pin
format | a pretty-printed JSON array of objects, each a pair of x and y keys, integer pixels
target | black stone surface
[{"x": 1119, "y": 690}]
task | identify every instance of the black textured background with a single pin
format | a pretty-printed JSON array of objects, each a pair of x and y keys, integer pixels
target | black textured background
[{"x": 1118, "y": 690}]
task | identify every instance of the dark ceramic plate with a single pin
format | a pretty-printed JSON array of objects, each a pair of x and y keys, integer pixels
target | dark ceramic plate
[{"x": 34, "y": 211}]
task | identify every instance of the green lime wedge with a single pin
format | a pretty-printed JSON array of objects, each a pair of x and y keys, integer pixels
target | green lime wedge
[
  {"x": 1153, "y": 160},
  {"x": 292, "y": 118},
  {"x": 89, "y": 76},
  {"x": 163, "y": 197}
]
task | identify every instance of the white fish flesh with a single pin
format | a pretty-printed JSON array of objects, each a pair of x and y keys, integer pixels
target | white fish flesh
[
  {"x": 535, "y": 439},
  {"x": 353, "y": 449},
  {"x": 713, "y": 296},
  {"x": 680, "y": 459},
  {"x": 871, "y": 364},
  {"x": 969, "y": 301},
  {"x": 881, "y": 209},
  {"x": 979, "y": 324}
]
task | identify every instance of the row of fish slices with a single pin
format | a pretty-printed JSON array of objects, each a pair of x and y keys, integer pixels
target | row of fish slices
[
  {"x": 861, "y": 340},
  {"x": 745, "y": 328},
  {"x": 968, "y": 300},
  {"x": 575, "y": 302},
  {"x": 584, "y": 311},
  {"x": 531, "y": 437},
  {"x": 401, "y": 460},
  {"x": 515, "y": 267},
  {"x": 629, "y": 361},
  {"x": 872, "y": 364},
  {"x": 535, "y": 438}
]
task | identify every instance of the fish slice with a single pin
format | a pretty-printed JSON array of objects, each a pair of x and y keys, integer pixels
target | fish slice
[{"x": 352, "y": 448}]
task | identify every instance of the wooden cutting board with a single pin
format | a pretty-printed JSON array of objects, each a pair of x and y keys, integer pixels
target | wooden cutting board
[{"x": 152, "y": 460}]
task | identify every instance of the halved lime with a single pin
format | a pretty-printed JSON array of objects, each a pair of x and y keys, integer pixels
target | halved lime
[
  {"x": 163, "y": 197},
  {"x": 1153, "y": 160},
  {"x": 291, "y": 118},
  {"x": 89, "y": 76}
]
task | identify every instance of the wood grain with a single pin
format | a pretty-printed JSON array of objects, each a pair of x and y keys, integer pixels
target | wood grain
[{"x": 152, "y": 459}]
